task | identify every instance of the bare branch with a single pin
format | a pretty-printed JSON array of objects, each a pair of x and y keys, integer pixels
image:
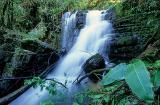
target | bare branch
[{"x": 88, "y": 74}]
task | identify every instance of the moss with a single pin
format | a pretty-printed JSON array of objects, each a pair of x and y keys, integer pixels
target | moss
[
  {"x": 35, "y": 45},
  {"x": 8, "y": 70},
  {"x": 21, "y": 57}
]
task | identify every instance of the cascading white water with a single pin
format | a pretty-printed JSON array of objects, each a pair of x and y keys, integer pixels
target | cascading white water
[
  {"x": 68, "y": 30},
  {"x": 92, "y": 39}
]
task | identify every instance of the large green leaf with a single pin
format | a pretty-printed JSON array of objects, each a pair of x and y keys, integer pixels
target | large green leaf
[
  {"x": 115, "y": 74},
  {"x": 156, "y": 80},
  {"x": 138, "y": 79}
]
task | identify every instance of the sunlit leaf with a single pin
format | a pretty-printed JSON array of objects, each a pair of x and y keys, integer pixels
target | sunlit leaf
[
  {"x": 138, "y": 79},
  {"x": 96, "y": 96},
  {"x": 115, "y": 74},
  {"x": 75, "y": 103}
]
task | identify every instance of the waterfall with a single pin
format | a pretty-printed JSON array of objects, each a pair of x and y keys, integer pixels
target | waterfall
[
  {"x": 68, "y": 30},
  {"x": 93, "y": 38}
]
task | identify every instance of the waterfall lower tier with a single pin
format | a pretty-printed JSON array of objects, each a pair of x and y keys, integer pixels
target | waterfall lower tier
[{"x": 92, "y": 39}]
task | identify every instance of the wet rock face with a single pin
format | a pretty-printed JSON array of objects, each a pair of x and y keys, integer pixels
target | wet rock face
[
  {"x": 93, "y": 63},
  {"x": 110, "y": 14},
  {"x": 80, "y": 19},
  {"x": 124, "y": 47}
]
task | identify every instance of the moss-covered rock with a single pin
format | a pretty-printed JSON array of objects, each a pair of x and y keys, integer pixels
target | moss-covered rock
[
  {"x": 33, "y": 57},
  {"x": 124, "y": 48},
  {"x": 125, "y": 41},
  {"x": 35, "y": 45},
  {"x": 30, "y": 59},
  {"x": 20, "y": 60}
]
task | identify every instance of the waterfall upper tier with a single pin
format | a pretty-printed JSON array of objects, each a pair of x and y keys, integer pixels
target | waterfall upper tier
[{"x": 93, "y": 38}]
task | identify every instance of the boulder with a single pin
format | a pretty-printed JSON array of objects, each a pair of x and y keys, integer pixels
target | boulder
[{"x": 93, "y": 63}]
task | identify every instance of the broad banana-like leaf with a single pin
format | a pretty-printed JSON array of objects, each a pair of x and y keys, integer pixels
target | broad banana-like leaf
[
  {"x": 157, "y": 78},
  {"x": 115, "y": 74},
  {"x": 138, "y": 79}
]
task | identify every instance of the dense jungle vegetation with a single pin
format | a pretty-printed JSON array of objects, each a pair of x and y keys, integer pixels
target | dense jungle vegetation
[{"x": 30, "y": 34}]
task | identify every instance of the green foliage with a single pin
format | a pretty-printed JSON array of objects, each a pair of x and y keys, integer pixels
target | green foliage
[
  {"x": 51, "y": 88},
  {"x": 140, "y": 17},
  {"x": 37, "y": 33},
  {"x": 48, "y": 102},
  {"x": 75, "y": 103},
  {"x": 35, "y": 82},
  {"x": 19, "y": 12},
  {"x": 17, "y": 18},
  {"x": 99, "y": 97},
  {"x": 138, "y": 79},
  {"x": 79, "y": 98},
  {"x": 115, "y": 74},
  {"x": 157, "y": 63},
  {"x": 8, "y": 70},
  {"x": 129, "y": 100},
  {"x": 156, "y": 78},
  {"x": 114, "y": 85}
]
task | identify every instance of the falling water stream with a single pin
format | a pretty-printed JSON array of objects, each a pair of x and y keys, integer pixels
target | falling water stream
[{"x": 92, "y": 39}]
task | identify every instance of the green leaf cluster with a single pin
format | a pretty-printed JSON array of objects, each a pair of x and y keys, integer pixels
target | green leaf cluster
[
  {"x": 126, "y": 84},
  {"x": 136, "y": 76}
]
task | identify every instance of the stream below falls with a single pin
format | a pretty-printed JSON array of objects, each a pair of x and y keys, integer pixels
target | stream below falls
[{"x": 93, "y": 38}]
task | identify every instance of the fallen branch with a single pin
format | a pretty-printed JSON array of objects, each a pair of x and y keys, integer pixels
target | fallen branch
[
  {"x": 52, "y": 79},
  {"x": 153, "y": 68},
  {"x": 88, "y": 74},
  {"x": 20, "y": 78},
  {"x": 150, "y": 40},
  {"x": 78, "y": 77},
  {"x": 10, "y": 97},
  {"x": 15, "y": 78}
]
